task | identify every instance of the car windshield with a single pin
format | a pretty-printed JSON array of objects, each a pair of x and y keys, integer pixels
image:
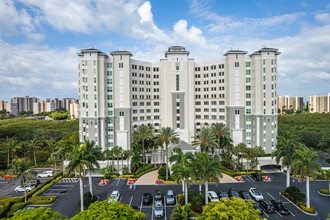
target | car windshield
[
  {"x": 158, "y": 196},
  {"x": 234, "y": 193},
  {"x": 113, "y": 196},
  {"x": 158, "y": 207},
  {"x": 257, "y": 193},
  {"x": 246, "y": 195},
  {"x": 170, "y": 196}
]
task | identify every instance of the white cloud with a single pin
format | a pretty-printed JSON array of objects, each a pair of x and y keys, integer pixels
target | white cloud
[
  {"x": 145, "y": 12},
  {"x": 323, "y": 17}
]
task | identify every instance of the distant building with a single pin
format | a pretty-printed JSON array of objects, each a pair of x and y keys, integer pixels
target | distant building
[
  {"x": 4, "y": 106},
  {"x": 319, "y": 103},
  {"x": 74, "y": 110},
  {"x": 288, "y": 103},
  {"x": 19, "y": 104}
]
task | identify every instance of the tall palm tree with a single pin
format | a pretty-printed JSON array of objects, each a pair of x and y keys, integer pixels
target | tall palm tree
[
  {"x": 205, "y": 139},
  {"x": 78, "y": 163},
  {"x": 92, "y": 154},
  {"x": 7, "y": 147},
  {"x": 207, "y": 168},
  {"x": 257, "y": 152},
  {"x": 20, "y": 169},
  {"x": 183, "y": 212},
  {"x": 220, "y": 131},
  {"x": 182, "y": 171},
  {"x": 238, "y": 151},
  {"x": 128, "y": 154},
  {"x": 178, "y": 157},
  {"x": 12, "y": 144},
  {"x": 63, "y": 148},
  {"x": 286, "y": 151},
  {"x": 51, "y": 145},
  {"x": 117, "y": 153},
  {"x": 142, "y": 133},
  {"x": 35, "y": 145},
  {"x": 107, "y": 155},
  {"x": 24, "y": 146},
  {"x": 306, "y": 164},
  {"x": 168, "y": 136}
]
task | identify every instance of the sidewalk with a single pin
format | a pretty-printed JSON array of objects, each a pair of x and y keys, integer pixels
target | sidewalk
[{"x": 151, "y": 177}]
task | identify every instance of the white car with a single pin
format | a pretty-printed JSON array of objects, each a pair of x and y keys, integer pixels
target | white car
[
  {"x": 213, "y": 197},
  {"x": 27, "y": 187},
  {"x": 158, "y": 210},
  {"x": 45, "y": 174},
  {"x": 256, "y": 194},
  {"x": 115, "y": 196}
]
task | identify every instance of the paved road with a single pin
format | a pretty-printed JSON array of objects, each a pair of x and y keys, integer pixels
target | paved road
[
  {"x": 322, "y": 158},
  {"x": 67, "y": 204}
]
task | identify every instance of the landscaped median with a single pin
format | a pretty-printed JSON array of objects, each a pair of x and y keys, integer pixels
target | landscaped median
[
  {"x": 324, "y": 192},
  {"x": 8, "y": 206}
]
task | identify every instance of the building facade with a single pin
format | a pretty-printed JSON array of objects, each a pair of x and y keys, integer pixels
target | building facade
[
  {"x": 319, "y": 104},
  {"x": 288, "y": 103},
  {"x": 117, "y": 93}
]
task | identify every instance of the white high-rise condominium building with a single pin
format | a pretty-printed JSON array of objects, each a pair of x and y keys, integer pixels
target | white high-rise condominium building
[{"x": 118, "y": 93}]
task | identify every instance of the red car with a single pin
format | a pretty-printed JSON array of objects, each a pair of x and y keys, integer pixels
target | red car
[{"x": 7, "y": 176}]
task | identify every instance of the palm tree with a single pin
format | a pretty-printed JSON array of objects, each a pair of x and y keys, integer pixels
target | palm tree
[
  {"x": 168, "y": 136},
  {"x": 7, "y": 147},
  {"x": 20, "y": 169},
  {"x": 92, "y": 154},
  {"x": 178, "y": 157},
  {"x": 136, "y": 159},
  {"x": 142, "y": 133},
  {"x": 107, "y": 155},
  {"x": 258, "y": 152},
  {"x": 205, "y": 139},
  {"x": 23, "y": 146},
  {"x": 77, "y": 164},
  {"x": 238, "y": 151},
  {"x": 128, "y": 155},
  {"x": 220, "y": 131},
  {"x": 306, "y": 165},
  {"x": 51, "y": 145},
  {"x": 35, "y": 145},
  {"x": 182, "y": 212},
  {"x": 207, "y": 168},
  {"x": 117, "y": 152},
  {"x": 63, "y": 148},
  {"x": 182, "y": 171},
  {"x": 286, "y": 151}
]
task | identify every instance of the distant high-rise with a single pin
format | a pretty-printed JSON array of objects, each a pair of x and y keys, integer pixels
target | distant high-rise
[
  {"x": 319, "y": 103},
  {"x": 288, "y": 103},
  {"x": 118, "y": 93}
]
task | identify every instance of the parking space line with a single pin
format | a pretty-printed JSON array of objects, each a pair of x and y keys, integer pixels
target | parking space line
[
  {"x": 120, "y": 199},
  {"x": 271, "y": 196},
  {"x": 292, "y": 214},
  {"x": 118, "y": 182},
  {"x": 165, "y": 206},
  {"x": 279, "y": 214},
  {"x": 141, "y": 204},
  {"x": 266, "y": 214},
  {"x": 250, "y": 178},
  {"x": 152, "y": 211},
  {"x": 131, "y": 201}
]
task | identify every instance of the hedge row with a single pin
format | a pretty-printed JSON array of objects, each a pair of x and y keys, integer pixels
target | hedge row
[
  {"x": 234, "y": 173},
  {"x": 170, "y": 178},
  {"x": 302, "y": 205},
  {"x": 142, "y": 169},
  {"x": 146, "y": 171},
  {"x": 46, "y": 187},
  {"x": 16, "y": 207},
  {"x": 325, "y": 191},
  {"x": 128, "y": 176},
  {"x": 5, "y": 205}
]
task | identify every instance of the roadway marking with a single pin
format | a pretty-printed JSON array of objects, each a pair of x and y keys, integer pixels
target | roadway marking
[
  {"x": 278, "y": 214},
  {"x": 250, "y": 178},
  {"x": 118, "y": 182},
  {"x": 266, "y": 214},
  {"x": 120, "y": 199},
  {"x": 141, "y": 204},
  {"x": 131, "y": 201},
  {"x": 152, "y": 210},
  {"x": 165, "y": 206},
  {"x": 292, "y": 214},
  {"x": 271, "y": 196}
]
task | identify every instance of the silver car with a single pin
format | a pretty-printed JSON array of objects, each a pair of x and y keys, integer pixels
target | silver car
[
  {"x": 158, "y": 209},
  {"x": 170, "y": 199}
]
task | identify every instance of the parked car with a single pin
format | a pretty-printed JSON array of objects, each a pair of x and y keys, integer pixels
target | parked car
[
  {"x": 256, "y": 195},
  {"x": 257, "y": 207},
  {"x": 48, "y": 173},
  {"x": 245, "y": 195},
  {"x": 33, "y": 182},
  {"x": 223, "y": 194},
  {"x": 158, "y": 196},
  {"x": 280, "y": 207},
  {"x": 158, "y": 209},
  {"x": 267, "y": 207},
  {"x": 147, "y": 198},
  {"x": 232, "y": 193},
  {"x": 28, "y": 188},
  {"x": 256, "y": 176},
  {"x": 170, "y": 199},
  {"x": 115, "y": 196},
  {"x": 213, "y": 197}
]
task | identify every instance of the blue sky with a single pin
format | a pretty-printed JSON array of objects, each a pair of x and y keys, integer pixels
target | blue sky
[{"x": 39, "y": 39}]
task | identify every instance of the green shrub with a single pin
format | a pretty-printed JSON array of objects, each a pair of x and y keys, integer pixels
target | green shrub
[
  {"x": 112, "y": 176},
  {"x": 327, "y": 160},
  {"x": 294, "y": 194},
  {"x": 5, "y": 205},
  {"x": 146, "y": 171},
  {"x": 88, "y": 200},
  {"x": 141, "y": 169},
  {"x": 42, "y": 200},
  {"x": 46, "y": 187},
  {"x": 128, "y": 176},
  {"x": 170, "y": 178},
  {"x": 302, "y": 205},
  {"x": 16, "y": 207},
  {"x": 324, "y": 191},
  {"x": 162, "y": 171}
]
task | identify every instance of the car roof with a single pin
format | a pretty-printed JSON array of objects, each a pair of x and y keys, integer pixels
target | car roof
[
  {"x": 158, "y": 202},
  {"x": 114, "y": 192},
  {"x": 147, "y": 194},
  {"x": 212, "y": 193}
]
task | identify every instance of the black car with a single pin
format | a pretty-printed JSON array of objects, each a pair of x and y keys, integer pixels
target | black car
[
  {"x": 257, "y": 207},
  {"x": 232, "y": 193},
  {"x": 280, "y": 207},
  {"x": 256, "y": 176},
  {"x": 223, "y": 194},
  {"x": 158, "y": 196},
  {"x": 245, "y": 195},
  {"x": 147, "y": 198},
  {"x": 267, "y": 207}
]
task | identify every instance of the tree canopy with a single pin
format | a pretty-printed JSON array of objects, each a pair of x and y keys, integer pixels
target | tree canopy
[{"x": 37, "y": 214}]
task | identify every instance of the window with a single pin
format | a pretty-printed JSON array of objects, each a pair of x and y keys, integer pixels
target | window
[
  {"x": 109, "y": 89},
  {"x": 272, "y": 69},
  {"x": 248, "y": 72},
  {"x": 109, "y": 73},
  {"x": 109, "y": 65},
  {"x": 177, "y": 82},
  {"x": 236, "y": 64},
  {"x": 95, "y": 79},
  {"x": 264, "y": 70},
  {"x": 109, "y": 81},
  {"x": 264, "y": 78},
  {"x": 94, "y": 88},
  {"x": 95, "y": 96},
  {"x": 272, "y": 78},
  {"x": 248, "y": 111},
  {"x": 94, "y": 71},
  {"x": 248, "y": 80},
  {"x": 264, "y": 62},
  {"x": 248, "y": 134},
  {"x": 248, "y": 118},
  {"x": 248, "y": 95},
  {"x": 121, "y": 113},
  {"x": 109, "y": 97},
  {"x": 248, "y": 103},
  {"x": 248, "y": 127},
  {"x": 236, "y": 112},
  {"x": 177, "y": 67},
  {"x": 248, "y": 88},
  {"x": 248, "y": 64},
  {"x": 94, "y": 62},
  {"x": 121, "y": 65}
]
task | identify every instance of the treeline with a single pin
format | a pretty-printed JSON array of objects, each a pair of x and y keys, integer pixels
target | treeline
[
  {"x": 313, "y": 130},
  {"x": 23, "y": 131}
]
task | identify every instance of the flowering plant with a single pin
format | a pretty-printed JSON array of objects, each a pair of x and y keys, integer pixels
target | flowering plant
[
  {"x": 159, "y": 181},
  {"x": 239, "y": 179},
  {"x": 266, "y": 178},
  {"x": 131, "y": 181},
  {"x": 104, "y": 182}
]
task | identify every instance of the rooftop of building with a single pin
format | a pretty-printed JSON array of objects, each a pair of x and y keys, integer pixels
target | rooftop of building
[
  {"x": 121, "y": 52},
  {"x": 91, "y": 50},
  {"x": 266, "y": 49}
]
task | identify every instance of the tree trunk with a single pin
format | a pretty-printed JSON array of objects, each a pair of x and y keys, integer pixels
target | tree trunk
[
  {"x": 308, "y": 205},
  {"x": 144, "y": 161},
  {"x": 22, "y": 179},
  {"x": 161, "y": 156},
  {"x": 112, "y": 166},
  {"x": 166, "y": 156},
  {"x": 186, "y": 193},
  {"x": 219, "y": 150},
  {"x": 237, "y": 159},
  {"x": 183, "y": 181},
  {"x": 90, "y": 182},
  {"x": 329, "y": 185},
  {"x": 200, "y": 187},
  {"x": 122, "y": 165},
  {"x": 107, "y": 161},
  {"x": 206, "y": 183},
  {"x": 62, "y": 162},
  {"x": 81, "y": 193},
  {"x": 8, "y": 158},
  {"x": 288, "y": 176},
  {"x": 117, "y": 164},
  {"x": 34, "y": 155}
]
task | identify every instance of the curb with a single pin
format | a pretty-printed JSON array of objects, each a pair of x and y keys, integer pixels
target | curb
[
  {"x": 307, "y": 213},
  {"x": 318, "y": 191},
  {"x": 47, "y": 205}
]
